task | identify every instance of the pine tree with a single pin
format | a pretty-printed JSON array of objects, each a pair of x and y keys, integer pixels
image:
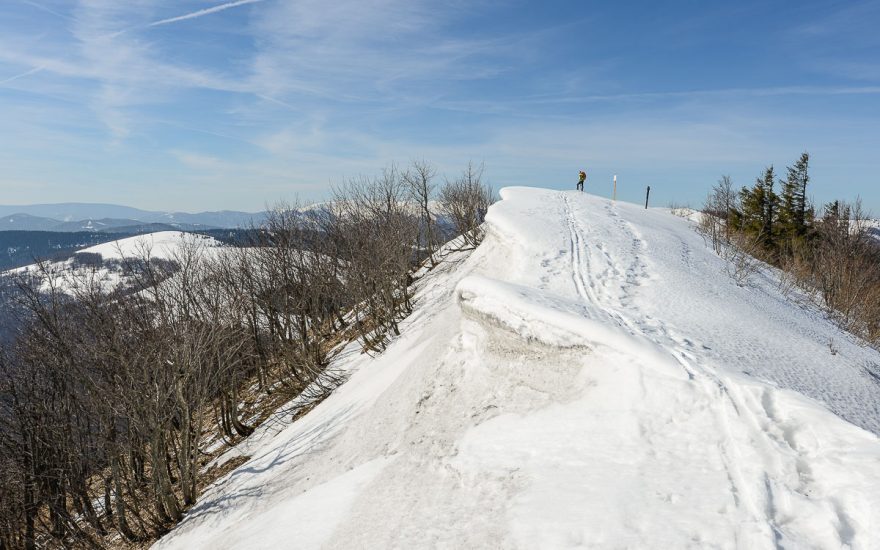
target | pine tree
[
  {"x": 759, "y": 210},
  {"x": 750, "y": 219},
  {"x": 788, "y": 207},
  {"x": 794, "y": 211},
  {"x": 771, "y": 205},
  {"x": 802, "y": 179}
]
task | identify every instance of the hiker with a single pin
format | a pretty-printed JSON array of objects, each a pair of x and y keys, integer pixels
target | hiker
[{"x": 581, "y": 177}]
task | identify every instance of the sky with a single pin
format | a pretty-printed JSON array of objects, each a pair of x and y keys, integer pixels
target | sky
[{"x": 204, "y": 105}]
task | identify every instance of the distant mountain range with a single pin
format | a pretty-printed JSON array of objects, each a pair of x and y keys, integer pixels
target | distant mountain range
[{"x": 74, "y": 217}]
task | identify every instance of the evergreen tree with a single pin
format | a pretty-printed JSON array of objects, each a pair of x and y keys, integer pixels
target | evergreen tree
[
  {"x": 771, "y": 206},
  {"x": 803, "y": 178},
  {"x": 759, "y": 210},
  {"x": 788, "y": 207},
  {"x": 750, "y": 218},
  {"x": 794, "y": 212}
]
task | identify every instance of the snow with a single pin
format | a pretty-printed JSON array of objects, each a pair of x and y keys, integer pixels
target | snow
[
  {"x": 162, "y": 245},
  {"x": 873, "y": 227},
  {"x": 588, "y": 378}
]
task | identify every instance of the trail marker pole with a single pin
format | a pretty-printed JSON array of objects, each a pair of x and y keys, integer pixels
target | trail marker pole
[
  {"x": 614, "y": 195},
  {"x": 647, "y": 195}
]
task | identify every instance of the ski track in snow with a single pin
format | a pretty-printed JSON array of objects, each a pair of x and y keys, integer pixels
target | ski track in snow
[
  {"x": 758, "y": 416},
  {"x": 779, "y": 364},
  {"x": 588, "y": 378}
]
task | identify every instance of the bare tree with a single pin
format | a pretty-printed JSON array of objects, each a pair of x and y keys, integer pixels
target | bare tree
[
  {"x": 465, "y": 201},
  {"x": 846, "y": 269},
  {"x": 715, "y": 220},
  {"x": 419, "y": 178},
  {"x": 108, "y": 396},
  {"x": 378, "y": 236}
]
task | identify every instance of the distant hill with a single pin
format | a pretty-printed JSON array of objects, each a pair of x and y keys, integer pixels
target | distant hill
[
  {"x": 98, "y": 217},
  {"x": 26, "y": 222},
  {"x": 102, "y": 224},
  {"x": 127, "y": 226},
  {"x": 65, "y": 212},
  {"x": 223, "y": 218},
  {"x": 18, "y": 248}
]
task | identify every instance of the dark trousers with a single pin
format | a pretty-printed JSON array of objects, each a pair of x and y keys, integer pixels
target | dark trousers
[{"x": 580, "y": 186}]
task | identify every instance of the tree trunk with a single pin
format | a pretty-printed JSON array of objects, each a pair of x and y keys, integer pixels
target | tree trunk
[{"x": 119, "y": 503}]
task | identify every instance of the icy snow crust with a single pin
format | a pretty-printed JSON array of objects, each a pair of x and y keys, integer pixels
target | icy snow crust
[{"x": 588, "y": 378}]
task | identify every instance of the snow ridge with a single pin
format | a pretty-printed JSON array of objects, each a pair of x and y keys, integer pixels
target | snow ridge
[{"x": 588, "y": 377}]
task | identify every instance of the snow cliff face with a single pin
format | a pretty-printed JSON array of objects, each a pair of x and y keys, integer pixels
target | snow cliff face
[{"x": 589, "y": 377}]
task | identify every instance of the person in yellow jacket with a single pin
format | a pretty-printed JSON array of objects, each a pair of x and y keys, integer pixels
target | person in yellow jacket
[{"x": 582, "y": 176}]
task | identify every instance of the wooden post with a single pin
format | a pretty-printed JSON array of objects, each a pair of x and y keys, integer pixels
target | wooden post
[
  {"x": 647, "y": 195},
  {"x": 614, "y": 195}
]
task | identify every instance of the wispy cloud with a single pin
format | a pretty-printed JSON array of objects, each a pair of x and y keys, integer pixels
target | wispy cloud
[
  {"x": 21, "y": 75},
  {"x": 130, "y": 71},
  {"x": 525, "y": 106},
  {"x": 368, "y": 50},
  {"x": 385, "y": 54},
  {"x": 41, "y": 7},
  {"x": 199, "y": 161},
  {"x": 841, "y": 42},
  {"x": 286, "y": 94}
]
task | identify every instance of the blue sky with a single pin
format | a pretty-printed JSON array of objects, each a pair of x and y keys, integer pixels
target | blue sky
[{"x": 204, "y": 104}]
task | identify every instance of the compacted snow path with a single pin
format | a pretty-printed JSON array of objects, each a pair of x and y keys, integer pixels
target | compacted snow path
[{"x": 588, "y": 378}]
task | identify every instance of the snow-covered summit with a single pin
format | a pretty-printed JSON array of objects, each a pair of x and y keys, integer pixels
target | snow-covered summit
[
  {"x": 588, "y": 377},
  {"x": 162, "y": 245},
  {"x": 108, "y": 273}
]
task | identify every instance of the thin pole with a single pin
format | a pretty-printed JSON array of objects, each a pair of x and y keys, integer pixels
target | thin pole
[
  {"x": 647, "y": 195},
  {"x": 614, "y": 196}
]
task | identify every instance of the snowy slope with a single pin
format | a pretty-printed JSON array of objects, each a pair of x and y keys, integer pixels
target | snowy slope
[
  {"x": 873, "y": 227},
  {"x": 162, "y": 245},
  {"x": 589, "y": 377}
]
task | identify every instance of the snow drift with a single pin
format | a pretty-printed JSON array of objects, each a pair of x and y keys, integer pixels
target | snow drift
[{"x": 588, "y": 377}]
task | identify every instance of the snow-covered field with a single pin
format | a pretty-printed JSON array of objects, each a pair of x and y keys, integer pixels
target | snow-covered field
[
  {"x": 588, "y": 378},
  {"x": 162, "y": 245}
]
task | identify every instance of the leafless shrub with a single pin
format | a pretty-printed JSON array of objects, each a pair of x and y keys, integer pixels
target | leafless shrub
[
  {"x": 846, "y": 270},
  {"x": 681, "y": 211},
  {"x": 377, "y": 237},
  {"x": 107, "y": 395},
  {"x": 740, "y": 251},
  {"x": 740, "y": 255},
  {"x": 465, "y": 200},
  {"x": 87, "y": 259},
  {"x": 419, "y": 179},
  {"x": 714, "y": 223}
]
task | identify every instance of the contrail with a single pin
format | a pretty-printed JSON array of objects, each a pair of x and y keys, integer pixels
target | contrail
[
  {"x": 45, "y": 9},
  {"x": 277, "y": 101},
  {"x": 22, "y": 75},
  {"x": 205, "y": 11}
]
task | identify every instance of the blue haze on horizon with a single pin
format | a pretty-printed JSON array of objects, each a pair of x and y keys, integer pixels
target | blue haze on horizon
[{"x": 211, "y": 104}]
